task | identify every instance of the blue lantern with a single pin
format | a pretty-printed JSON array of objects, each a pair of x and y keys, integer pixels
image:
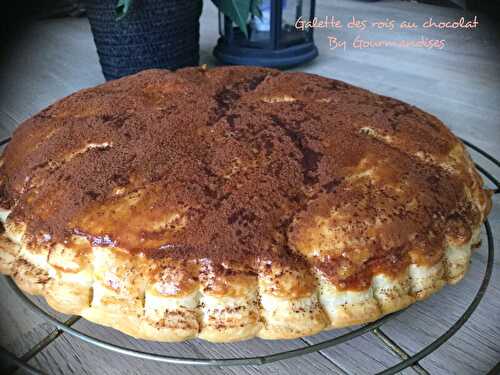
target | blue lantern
[{"x": 272, "y": 39}]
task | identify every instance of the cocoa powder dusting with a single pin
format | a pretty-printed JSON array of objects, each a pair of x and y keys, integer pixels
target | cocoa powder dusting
[{"x": 232, "y": 165}]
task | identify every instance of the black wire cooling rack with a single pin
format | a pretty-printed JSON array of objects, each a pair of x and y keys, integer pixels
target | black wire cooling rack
[{"x": 406, "y": 359}]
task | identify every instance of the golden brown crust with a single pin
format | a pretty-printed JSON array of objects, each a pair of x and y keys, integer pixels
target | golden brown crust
[{"x": 235, "y": 202}]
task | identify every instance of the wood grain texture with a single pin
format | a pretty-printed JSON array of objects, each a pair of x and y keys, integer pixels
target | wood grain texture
[
  {"x": 20, "y": 328},
  {"x": 460, "y": 85},
  {"x": 76, "y": 355}
]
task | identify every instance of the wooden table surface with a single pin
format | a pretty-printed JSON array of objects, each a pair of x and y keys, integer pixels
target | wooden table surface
[{"x": 460, "y": 84}]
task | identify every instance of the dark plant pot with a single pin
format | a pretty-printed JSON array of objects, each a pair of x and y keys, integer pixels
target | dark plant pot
[{"x": 153, "y": 34}]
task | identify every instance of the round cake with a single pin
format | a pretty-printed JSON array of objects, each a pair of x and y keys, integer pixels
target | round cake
[{"x": 235, "y": 202}]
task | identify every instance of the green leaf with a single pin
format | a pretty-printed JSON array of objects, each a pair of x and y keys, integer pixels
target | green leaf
[
  {"x": 122, "y": 7},
  {"x": 237, "y": 10},
  {"x": 255, "y": 8}
]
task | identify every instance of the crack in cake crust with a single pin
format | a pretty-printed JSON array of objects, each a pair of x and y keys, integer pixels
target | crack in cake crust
[{"x": 235, "y": 202}]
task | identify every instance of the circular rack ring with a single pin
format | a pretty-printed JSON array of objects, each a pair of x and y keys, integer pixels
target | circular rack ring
[{"x": 310, "y": 348}]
